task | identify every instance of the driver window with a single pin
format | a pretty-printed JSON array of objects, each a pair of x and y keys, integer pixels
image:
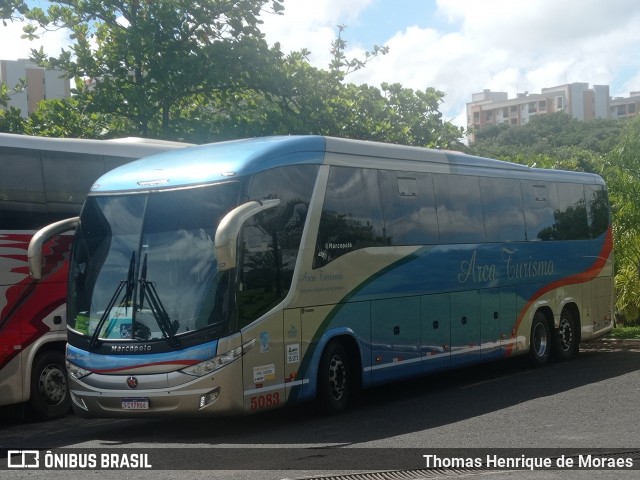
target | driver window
[{"x": 270, "y": 241}]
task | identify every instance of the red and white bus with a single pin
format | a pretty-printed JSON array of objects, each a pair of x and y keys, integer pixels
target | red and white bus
[{"x": 43, "y": 180}]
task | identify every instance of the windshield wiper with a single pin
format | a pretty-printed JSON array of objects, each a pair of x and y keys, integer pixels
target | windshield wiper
[
  {"x": 148, "y": 291},
  {"x": 126, "y": 301}
]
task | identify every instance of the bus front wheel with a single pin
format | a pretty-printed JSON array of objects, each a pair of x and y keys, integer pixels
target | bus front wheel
[
  {"x": 540, "y": 341},
  {"x": 49, "y": 389},
  {"x": 335, "y": 379}
]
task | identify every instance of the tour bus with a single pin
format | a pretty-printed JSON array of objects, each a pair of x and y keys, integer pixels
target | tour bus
[
  {"x": 43, "y": 180},
  {"x": 247, "y": 275}
]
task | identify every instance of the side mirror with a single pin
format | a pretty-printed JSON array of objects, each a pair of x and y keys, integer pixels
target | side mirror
[
  {"x": 229, "y": 228},
  {"x": 34, "y": 253}
]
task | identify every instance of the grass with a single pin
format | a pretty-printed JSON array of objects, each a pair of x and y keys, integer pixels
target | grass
[{"x": 626, "y": 332}]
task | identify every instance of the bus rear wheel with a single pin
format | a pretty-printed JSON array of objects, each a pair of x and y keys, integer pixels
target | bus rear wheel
[
  {"x": 49, "y": 388},
  {"x": 540, "y": 341},
  {"x": 335, "y": 379},
  {"x": 565, "y": 338}
]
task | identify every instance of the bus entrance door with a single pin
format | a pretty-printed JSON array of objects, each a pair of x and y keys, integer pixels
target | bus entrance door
[{"x": 263, "y": 366}]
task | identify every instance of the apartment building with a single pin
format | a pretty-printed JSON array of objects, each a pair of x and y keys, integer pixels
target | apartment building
[
  {"x": 41, "y": 84},
  {"x": 625, "y": 107},
  {"x": 576, "y": 99}
]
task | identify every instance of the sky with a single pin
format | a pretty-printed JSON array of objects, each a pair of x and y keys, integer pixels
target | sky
[{"x": 459, "y": 47}]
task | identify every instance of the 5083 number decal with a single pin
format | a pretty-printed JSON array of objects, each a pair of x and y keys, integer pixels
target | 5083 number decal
[{"x": 267, "y": 400}]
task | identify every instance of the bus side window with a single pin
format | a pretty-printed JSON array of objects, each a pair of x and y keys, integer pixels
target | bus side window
[
  {"x": 540, "y": 203},
  {"x": 270, "y": 241},
  {"x": 503, "y": 210},
  {"x": 409, "y": 208},
  {"x": 351, "y": 215},
  {"x": 459, "y": 208},
  {"x": 555, "y": 211},
  {"x": 597, "y": 209},
  {"x": 571, "y": 215},
  {"x": 259, "y": 282},
  {"x": 23, "y": 204},
  {"x": 67, "y": 179}
]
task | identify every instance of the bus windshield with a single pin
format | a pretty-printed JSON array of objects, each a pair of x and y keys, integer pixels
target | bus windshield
[{"x": 144, "y": 266}]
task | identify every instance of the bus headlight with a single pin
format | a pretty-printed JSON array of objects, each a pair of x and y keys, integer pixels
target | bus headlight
[
  {"x": 75, "y": 371},
  {"x": 216, "y": 363}
]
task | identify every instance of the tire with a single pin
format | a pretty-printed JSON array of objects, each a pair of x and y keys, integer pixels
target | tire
[
  {"x": 336, "y": 379},
  {"x": 540, "y": 341},
  {"x": 49, "y": 386},
  {"x": 565, "y": 338}
]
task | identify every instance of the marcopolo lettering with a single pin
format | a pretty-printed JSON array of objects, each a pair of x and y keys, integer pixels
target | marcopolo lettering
[{"x": 130, "y": 348}]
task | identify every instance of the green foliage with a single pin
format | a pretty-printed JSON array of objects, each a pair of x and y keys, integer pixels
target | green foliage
[
  {"x": 10, "y": 119},
  {"x": 297, "y": 98},
  {"x": 622, "y": 172},
  {"x": 632, "y": 332},
  {"x": 340, "y": 66},
  {"x": 70, "y": 118},
  {"x": 143, "y": 58},
  {"x": 556, "y": 140},
  {"x": 202, "y": 71}
]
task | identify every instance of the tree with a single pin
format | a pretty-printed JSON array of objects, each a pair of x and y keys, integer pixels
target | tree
[
  {"x": 294, "y": 97},
  {"x": 11, "y": 120},
  {"x": 202, "y": 72},
  {"x": 622, "y": 172},
  {"x": 297, "y": 98},
  {"x": 142, "y": 58},
  {"x": 556, "y": 140},
  {"x": 70, "y": 118}
]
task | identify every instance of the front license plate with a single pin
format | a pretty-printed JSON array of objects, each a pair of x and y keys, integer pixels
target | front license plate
[{"x": 135, "y": 404}]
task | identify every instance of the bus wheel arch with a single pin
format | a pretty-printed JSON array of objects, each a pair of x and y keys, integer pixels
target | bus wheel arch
[
  {"x": 339, "y": 377},
  {"x": 540, "y": 339},
  {"x": 566, "y": 338},
  {"x": 49, "y": 396}
]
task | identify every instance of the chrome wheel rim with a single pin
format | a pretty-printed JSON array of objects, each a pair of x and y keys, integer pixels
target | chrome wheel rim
[
  {"x": 565, "y": 333},
  {"x": 337, "y": 377},
  {"x": 53, "y": 385},
  {"x": 540, "y": 340}
]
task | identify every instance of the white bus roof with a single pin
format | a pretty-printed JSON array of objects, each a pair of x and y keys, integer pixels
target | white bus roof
[{"x": 121, "y": 147}]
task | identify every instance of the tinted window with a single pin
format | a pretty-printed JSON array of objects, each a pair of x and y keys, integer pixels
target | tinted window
[
  {"x": 459, "y": 208},
  {"x": 409, "y": 208},
  {"x": 351, "y": 216},
  {"x": 571, "y": 214},
  {"x": 161, "y": 245},
  {"x": 69, "y": 176},
  {"x": 503, "y": 212},
  {"x": 597, "y": 209},
  {"x": 540, "y": 203},
  {"x": 21, "y": 175},
  {"x": 271, "y": 239},
  {"x": 22, "y": 204}
]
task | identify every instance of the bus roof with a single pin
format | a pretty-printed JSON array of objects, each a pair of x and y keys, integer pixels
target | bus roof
[
  {"x": 130, "y": 147},
  {"x": 211, "y": 163}
]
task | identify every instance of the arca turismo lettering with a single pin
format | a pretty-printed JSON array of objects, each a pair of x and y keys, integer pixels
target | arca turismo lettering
[
  {"x": 514, "y": 269},
  {"x": 320, "y": 276}
]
